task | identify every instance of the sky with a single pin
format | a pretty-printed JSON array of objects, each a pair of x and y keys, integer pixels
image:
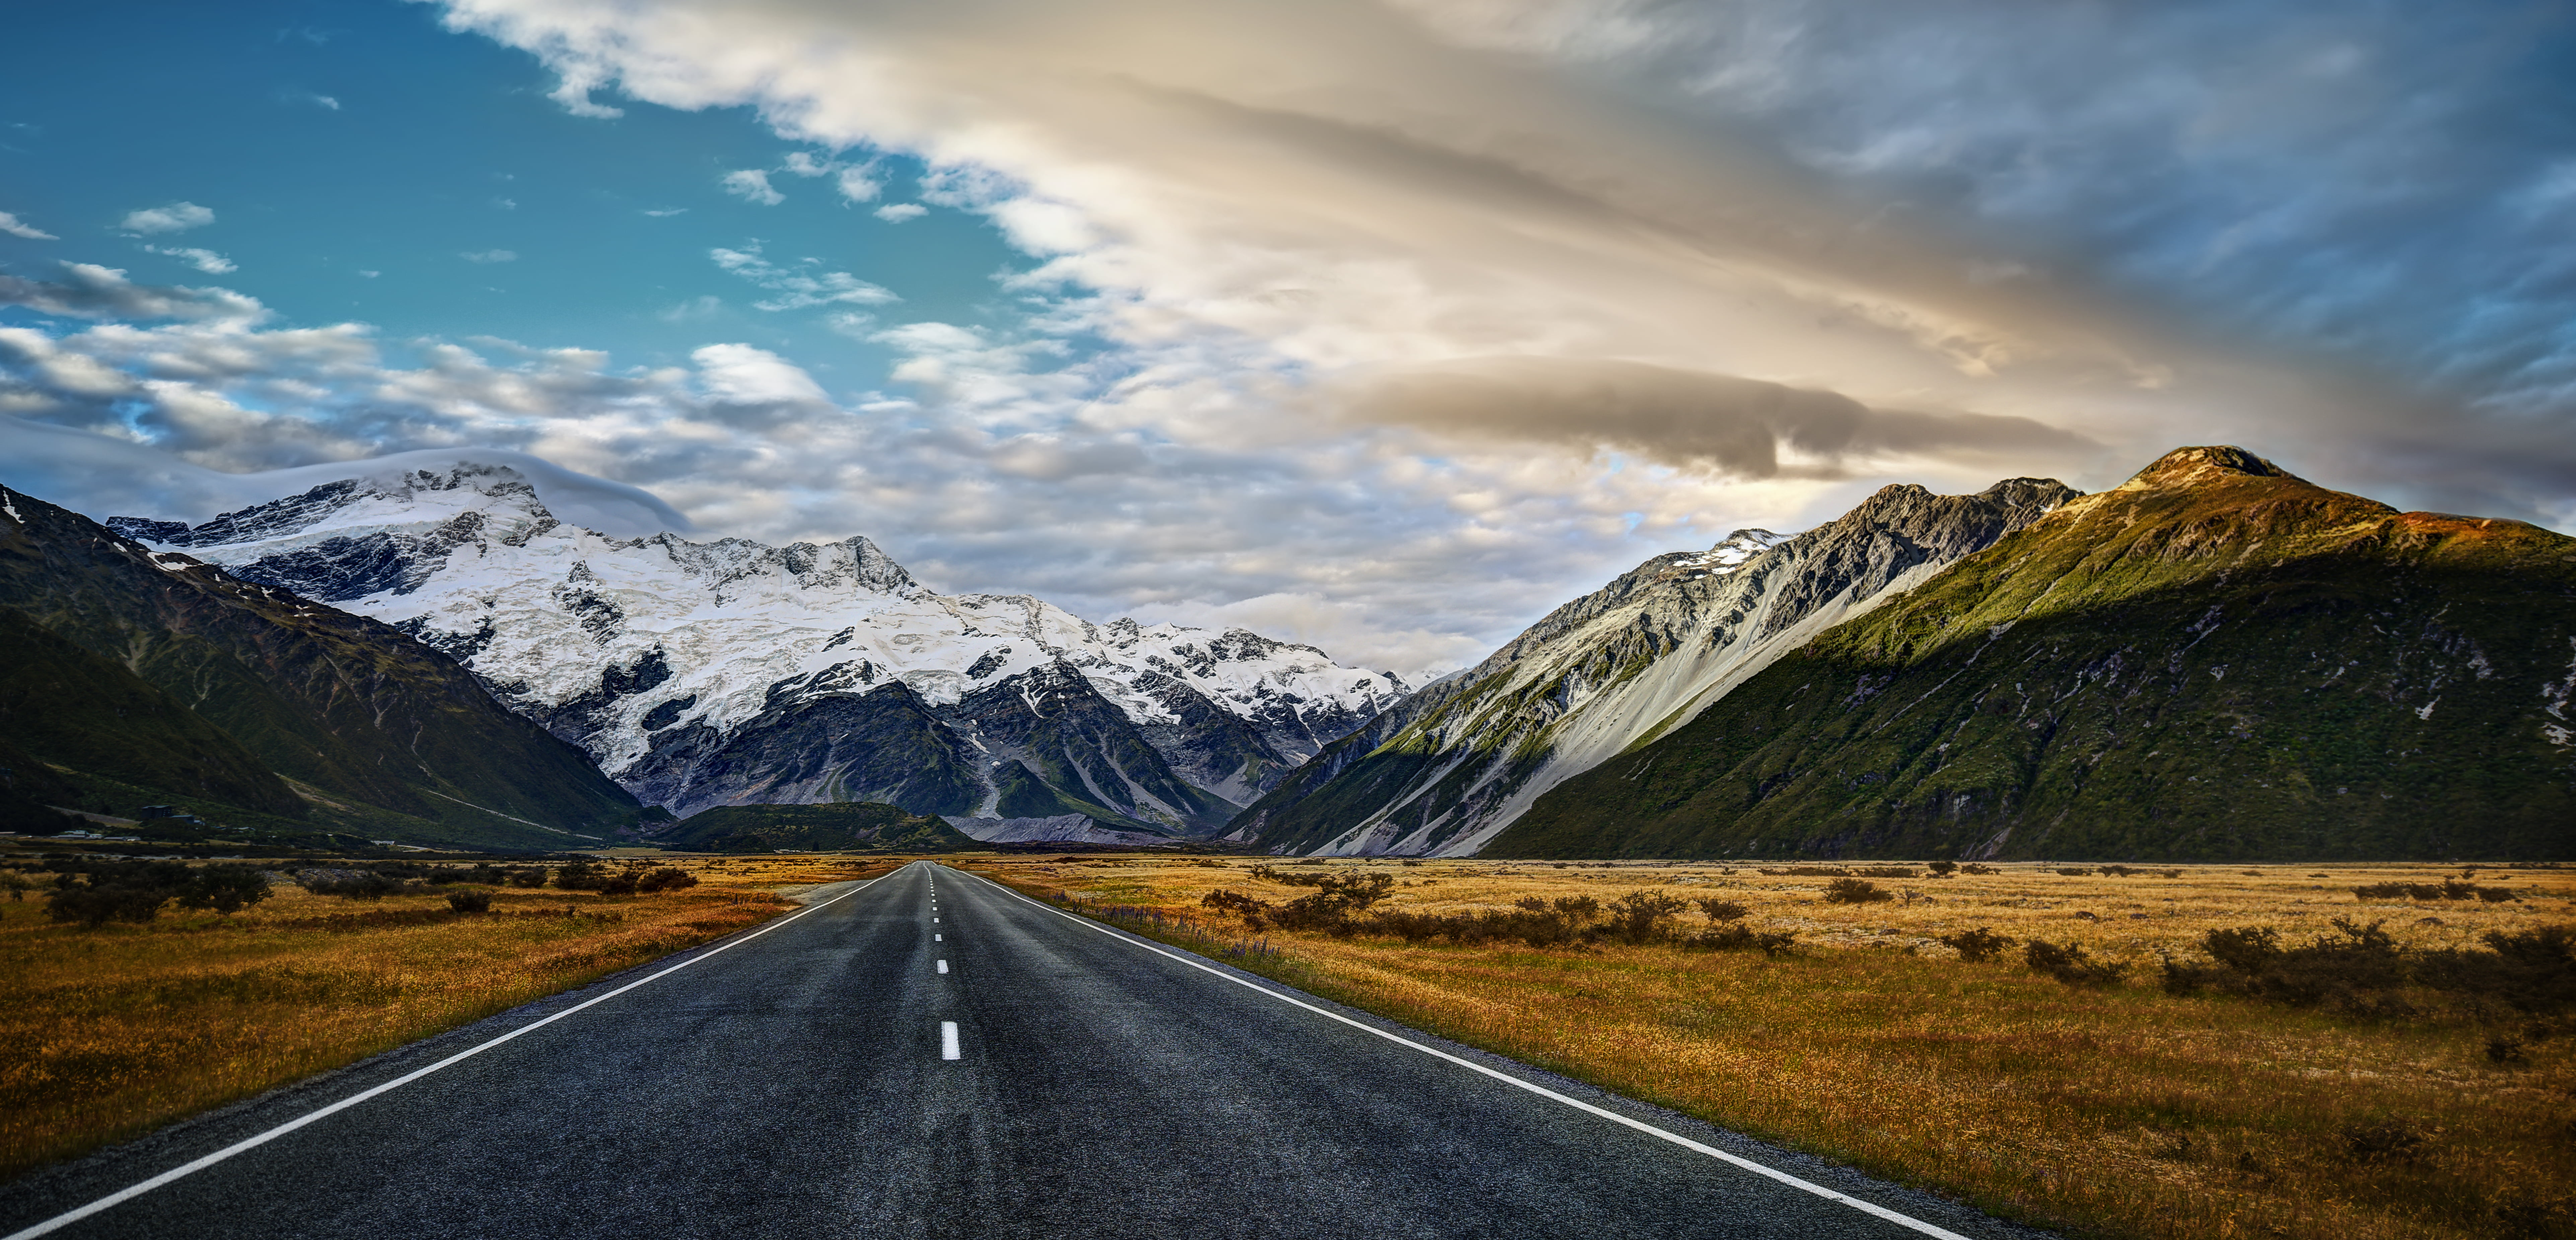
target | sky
[{"x": 1386, "y": 325}]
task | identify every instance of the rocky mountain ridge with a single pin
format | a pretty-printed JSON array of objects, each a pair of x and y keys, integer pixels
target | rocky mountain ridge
[
  {"x": 731, "y": 672},
  {"x": 1460, "y": 761},
  {"x": 2216, "y": 660}
]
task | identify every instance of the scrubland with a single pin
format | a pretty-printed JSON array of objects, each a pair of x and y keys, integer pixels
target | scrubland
[
  {"x": 110, "y": 1031},
  {"x": 2304, "y": 1095}
]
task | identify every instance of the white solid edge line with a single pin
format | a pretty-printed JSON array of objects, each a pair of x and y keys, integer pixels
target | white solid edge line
[
  {"x": 123, "y": 1195},
  {"x": 1505, "y": 1077},
  {"x": 948, "y": 1040}
]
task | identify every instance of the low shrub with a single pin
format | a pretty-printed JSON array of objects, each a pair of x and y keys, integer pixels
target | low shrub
[
  {"x": 1735, "y": 936},
  {"x": 1943, "y": 869},
  {"x": 666, "y": 878},
  {"x": 1978, "y": 868},
  {"x": 1641, "y": 916},
  {"x": 533, "y": 876},
  {"x": 1723, "y": 910},
  {"x": 95, "y": 892},
  {"x": 1855, "y": 891},
  {"x": 470, "y": 901},
  {"x": 2068, "y": 963},
  {"x": 2447, "y": 889},
  {"x": 1976, "y": 946},
  {"x": 581, "y": 876}
]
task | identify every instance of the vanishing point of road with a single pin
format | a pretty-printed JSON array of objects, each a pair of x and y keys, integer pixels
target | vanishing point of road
[{"x": 930, "y": 1054}]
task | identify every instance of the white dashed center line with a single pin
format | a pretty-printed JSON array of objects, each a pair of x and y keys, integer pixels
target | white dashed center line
[
  {"x": 934, "y": 938},
  {"x": 948, "y": 1040},
  {"x": 943, "y": 966}
]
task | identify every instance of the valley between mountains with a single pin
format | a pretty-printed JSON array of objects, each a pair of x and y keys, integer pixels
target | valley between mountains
[{"x": 2214, "y": 660}]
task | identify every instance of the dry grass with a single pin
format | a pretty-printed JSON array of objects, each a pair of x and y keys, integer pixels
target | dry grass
[
  {"x": 2119, "y": 1111},
  {"x": 107, "y": 1033}
]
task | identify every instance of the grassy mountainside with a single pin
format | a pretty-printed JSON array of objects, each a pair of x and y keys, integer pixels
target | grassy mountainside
[
  {"x": 2216, "y": 660},
  {"x": 355, "y": 711},
  {"x": 817, "y": 828},
  {"x": 90, "y": 713}
]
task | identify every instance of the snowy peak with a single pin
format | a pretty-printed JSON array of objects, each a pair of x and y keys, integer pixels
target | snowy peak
[{"x": 660, "y": 655}]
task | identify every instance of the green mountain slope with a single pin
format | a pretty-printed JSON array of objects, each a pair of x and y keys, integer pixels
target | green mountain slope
[
  {"x": 865, "y": 825},
  {"x": 2216, "y": 660},
  {"x": 383, "y": 730}
]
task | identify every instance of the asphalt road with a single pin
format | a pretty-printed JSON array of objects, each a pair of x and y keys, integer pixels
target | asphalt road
[{"x": 802, "y": 1080}]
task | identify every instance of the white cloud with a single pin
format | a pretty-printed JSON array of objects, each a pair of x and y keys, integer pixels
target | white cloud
[
  {"x": 666, "y": 212},
  {"x": 742, "y": 375},
  {"x": 898, "y": 212},
  {"x": 177, "y": 217},
  {"x": 804, "y": 164},
  {"x": 860, "y": 184},
  {"x": 752, "y": 185},
  {"x": 15, "y": 227},
  {"x": 203, "y": 260},
  {"x": 325, "y": 102},
  {"x": 801, "y": 286},
  {"x": 505, "y": 204},
  {"x": 366, "y": 274},
  {"x": 489, "y": 256}
]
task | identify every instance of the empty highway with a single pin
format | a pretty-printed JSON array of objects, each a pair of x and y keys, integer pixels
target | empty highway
[{"x": 929, "y": 1054}]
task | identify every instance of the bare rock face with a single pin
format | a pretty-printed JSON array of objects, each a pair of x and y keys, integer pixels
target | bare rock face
[{"x": 1460, "y": 760}]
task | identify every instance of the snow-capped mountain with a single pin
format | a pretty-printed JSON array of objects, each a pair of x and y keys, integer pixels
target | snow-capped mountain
[
  {"x": 1452, "y": 765},
  {"x": 732, "y": 672}
]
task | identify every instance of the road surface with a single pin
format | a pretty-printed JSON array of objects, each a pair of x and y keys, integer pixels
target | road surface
[{"x": 931, "y": 1054}]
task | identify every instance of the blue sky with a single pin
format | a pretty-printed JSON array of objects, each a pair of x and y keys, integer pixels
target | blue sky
[
  {"x": 331, "y": 140},
  {"x": 1384, "y": 324}
]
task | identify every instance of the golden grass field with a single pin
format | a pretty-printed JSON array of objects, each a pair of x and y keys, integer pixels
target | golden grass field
[
  {"x": 108, "y": 1033},
  {"x": 2115, "y": 1112}
]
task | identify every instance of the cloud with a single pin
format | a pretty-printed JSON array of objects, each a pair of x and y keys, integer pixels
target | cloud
[
  {"x": 860, "y": 184},
  {"x": 489, "y": 256},
  {"x": 325, "y": 102},
  {"x": 177, "y": 217},
  {"x": 898, "y": 212},
  {"x": 666, "y": 212},
  {"x": 13, "y": 226},
  {"x": 114, "y": 477},
  {"x": 89, "y": 291},
  {"x": 804, "y": 285},
  {"x": 752, "y": 185},
  {"x": 1692, "y": 420},
  {"x": 738, "y": 374},
  {"x": 203, "y": 260},
  {"x": 1436, "y": 312}
]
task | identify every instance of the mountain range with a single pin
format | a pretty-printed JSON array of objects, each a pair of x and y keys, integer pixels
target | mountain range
[
  {"x": 2214, "y": 660},
  {"x": 731, "y": 672}
]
